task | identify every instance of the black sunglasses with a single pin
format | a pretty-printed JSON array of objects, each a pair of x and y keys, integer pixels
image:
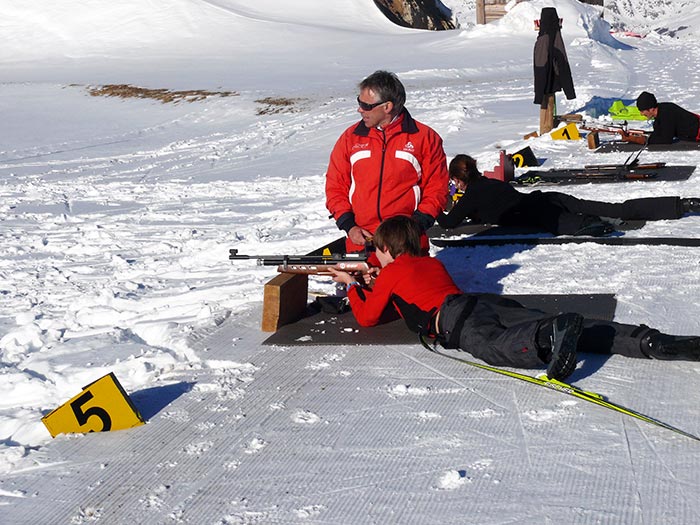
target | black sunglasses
[{"x": 364, "y": 106}]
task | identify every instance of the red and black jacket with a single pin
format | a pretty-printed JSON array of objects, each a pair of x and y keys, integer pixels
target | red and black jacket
[
  {"x": 420, "y": 282},
  {"x": 374, "y": 174}
]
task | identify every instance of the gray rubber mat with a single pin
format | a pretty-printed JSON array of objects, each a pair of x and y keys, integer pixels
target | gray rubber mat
[
  {"x": 467, "y": 228},
  {"x": 533, "y": 240},
  {"x": 614, "y": 146},
  {"x": 583, "y": 176},
  {"x": 341, "y": 329}
]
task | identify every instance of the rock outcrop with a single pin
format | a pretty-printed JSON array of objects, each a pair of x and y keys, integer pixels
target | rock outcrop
[{"x": 418, "y": 14}]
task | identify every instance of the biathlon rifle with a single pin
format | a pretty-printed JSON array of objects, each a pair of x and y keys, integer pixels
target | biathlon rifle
[
  {"x": 310, "y": 264},
  {"x": 628, "y": 170},
  {"x": 638, "y": 136}
]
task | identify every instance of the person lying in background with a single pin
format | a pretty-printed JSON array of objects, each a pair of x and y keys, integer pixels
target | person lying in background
[
  {"x": 498, "y": 330},
  {"x": 492, "y": 201},
  {"x": 671, "y": 122}
]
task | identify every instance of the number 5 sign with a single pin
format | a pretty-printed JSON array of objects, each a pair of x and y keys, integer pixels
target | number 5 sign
[{"x": 100, "y": 407}]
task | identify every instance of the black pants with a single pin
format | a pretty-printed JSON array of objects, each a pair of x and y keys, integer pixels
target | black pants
[
  {"x": 563, "y": 214},
  {"x": 503, "y": 332}
]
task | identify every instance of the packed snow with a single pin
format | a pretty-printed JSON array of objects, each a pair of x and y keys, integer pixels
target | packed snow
[{"x": 117, "y": 215}]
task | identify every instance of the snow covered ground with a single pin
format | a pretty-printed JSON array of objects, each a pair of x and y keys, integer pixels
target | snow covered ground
[{"x": 116, "y": 219}]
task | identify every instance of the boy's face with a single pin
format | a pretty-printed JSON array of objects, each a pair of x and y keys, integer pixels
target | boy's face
[{"x": 384, "y": 257}]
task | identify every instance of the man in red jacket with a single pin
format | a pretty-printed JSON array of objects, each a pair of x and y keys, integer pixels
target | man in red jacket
[
  {"x": 388, "y": 164},
  {"x": 495, "y": 329}
]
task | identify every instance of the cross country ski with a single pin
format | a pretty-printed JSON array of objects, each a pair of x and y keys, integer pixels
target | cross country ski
[{"x": 566, "y": 388}]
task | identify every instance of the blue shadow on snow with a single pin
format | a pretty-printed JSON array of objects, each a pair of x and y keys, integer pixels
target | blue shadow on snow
[{"x": 150, "y": 401}]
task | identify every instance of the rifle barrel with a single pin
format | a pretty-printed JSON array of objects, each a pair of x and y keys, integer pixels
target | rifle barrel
[{"x": 282, "y": 259}]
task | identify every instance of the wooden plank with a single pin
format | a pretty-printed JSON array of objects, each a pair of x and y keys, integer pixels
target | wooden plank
[
  {"x": 284, "y": 300},
  {"x": 593, "y": 140},
  {"x": 494, "y": 12},
  {"x": 547, "y": 113},
  {"x": 480, "y": 12}
]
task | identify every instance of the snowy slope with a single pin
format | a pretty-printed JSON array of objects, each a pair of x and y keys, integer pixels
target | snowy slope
[
  {"x": 116, "y": 218},
  {"x": 675, "y": 19}
]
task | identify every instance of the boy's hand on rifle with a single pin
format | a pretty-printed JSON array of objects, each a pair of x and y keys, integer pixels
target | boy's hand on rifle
[
  {"x": 370, "y": 275},
  {"x": 340, "y": 276}
]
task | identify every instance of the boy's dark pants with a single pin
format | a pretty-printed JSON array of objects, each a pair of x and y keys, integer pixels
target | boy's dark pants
[{"x": 502, "y": 332}]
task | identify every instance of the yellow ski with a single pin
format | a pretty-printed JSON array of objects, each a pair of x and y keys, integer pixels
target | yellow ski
[{"x": 591, "y": 397}]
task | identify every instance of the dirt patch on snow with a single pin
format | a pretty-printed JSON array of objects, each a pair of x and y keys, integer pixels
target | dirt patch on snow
[
  {"x": 274, "y": 105},
  {"x": 164, "y": 95}
]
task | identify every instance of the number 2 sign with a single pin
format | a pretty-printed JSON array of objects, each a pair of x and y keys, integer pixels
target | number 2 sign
[{"x": 101, "y": 406}]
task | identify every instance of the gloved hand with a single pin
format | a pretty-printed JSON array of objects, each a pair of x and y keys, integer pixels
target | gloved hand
[{"x": 634, "y": 137}]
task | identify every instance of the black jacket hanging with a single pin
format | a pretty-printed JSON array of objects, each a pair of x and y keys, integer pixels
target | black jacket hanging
[{"x": 552, "y": 71}]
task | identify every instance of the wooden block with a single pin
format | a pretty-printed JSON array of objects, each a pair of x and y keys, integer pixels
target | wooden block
[
  {"x": 284, "y": 300},
  {"x": 285, "y": 296},
  {"x": 593, "y": 140}
]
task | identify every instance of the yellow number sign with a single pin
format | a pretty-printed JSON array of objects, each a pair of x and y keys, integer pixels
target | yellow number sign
[
  {"x": 568, "y": 132},
  {"x": 100, "y": 407}
]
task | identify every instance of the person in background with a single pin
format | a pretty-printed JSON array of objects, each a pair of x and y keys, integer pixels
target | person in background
[
  {"x": 498, "y": 330},
  {"x": 387, "y": 164},
  {"x": 493, "y": 201},
  {"x": 671, "y": 122}
]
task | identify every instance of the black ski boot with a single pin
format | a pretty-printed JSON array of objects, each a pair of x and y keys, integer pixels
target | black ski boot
[
  {"x": 691, "y": 205},
  {"x": 656, "y": 345},
  {"x": 563, "y": 332},
  {"x": 595, "y": 227}
]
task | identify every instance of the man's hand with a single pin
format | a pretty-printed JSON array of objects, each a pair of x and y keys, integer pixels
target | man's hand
[{"x": 358, "y": 235}]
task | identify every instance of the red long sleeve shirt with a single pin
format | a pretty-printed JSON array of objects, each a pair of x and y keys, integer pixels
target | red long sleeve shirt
[{"x": 422, "y": 281}]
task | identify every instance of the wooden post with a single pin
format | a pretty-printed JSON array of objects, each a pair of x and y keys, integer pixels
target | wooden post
[
  {"x": 481, "y": 12},
  {"x": 547, "y": 113},
  {"x": 593, "y": 140},
  {"x": 284, "y": 300}
]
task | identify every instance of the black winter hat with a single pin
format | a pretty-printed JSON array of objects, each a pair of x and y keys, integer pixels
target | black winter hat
[{"x": 646, "y": 101}]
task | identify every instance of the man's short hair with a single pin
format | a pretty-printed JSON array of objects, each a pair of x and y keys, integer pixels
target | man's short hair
[
  {"x": 398, "y": 235},
  {"x": 646, "y": 101},
  {"x": 388, "y": 88}
]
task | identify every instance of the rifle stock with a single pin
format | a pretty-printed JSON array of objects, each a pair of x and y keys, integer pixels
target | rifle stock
[{"x": 324, "y": 269}]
